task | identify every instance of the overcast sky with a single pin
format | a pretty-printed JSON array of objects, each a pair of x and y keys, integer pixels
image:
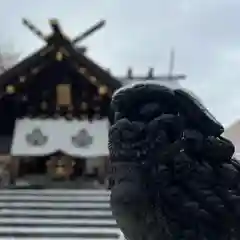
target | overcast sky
[{"x": 204, "y": 33}]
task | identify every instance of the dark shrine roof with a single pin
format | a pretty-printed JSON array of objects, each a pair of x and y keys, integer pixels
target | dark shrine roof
[
  {"x": 21, "y": 67},
  {"x": 57, "y": 42}
]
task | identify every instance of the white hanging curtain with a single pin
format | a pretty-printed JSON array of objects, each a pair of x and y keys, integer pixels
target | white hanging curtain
[{"x": 38, "y": 137}]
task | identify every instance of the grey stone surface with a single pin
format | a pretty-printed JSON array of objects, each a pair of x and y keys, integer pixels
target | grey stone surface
[{"x": 56, "y": 214}]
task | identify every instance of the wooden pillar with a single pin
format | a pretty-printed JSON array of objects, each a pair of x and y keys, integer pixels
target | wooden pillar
[
  {"x": 102, "y": 170},
  {"x": 68, "y": 166},
  {"x": 100, "y": 165},
  {"x": 4, "y": 171},
  {"x": 14, "y": 163},
  {"x": 107, "y": 166},
  {"x": 51, "y": 166}
]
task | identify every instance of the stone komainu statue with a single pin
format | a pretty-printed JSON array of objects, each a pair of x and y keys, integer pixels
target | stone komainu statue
[{"x": 173, "y": 175}]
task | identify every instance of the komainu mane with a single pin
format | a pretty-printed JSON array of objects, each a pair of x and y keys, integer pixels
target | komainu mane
[{"x": 173, "y": 176}]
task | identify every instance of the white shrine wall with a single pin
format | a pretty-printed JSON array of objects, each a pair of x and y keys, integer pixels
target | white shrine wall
[{"x": 39, "y": 137}]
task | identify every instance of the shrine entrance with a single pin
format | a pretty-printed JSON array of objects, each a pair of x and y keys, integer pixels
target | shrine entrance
[
  {"x": 56, "y": 167},
  {"x": 77, "y": 154},
  {"x": 60, "y": 170},
  {"x": 48, "y": 164}
]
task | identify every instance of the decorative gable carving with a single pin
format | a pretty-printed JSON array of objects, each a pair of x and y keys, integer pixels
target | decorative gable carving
[
  {"x": 82, "y": 139},
  {"x": 36, "y": 138}
]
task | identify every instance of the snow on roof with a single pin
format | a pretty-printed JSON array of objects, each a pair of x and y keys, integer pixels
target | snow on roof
[{"x": 174, "y": 84}]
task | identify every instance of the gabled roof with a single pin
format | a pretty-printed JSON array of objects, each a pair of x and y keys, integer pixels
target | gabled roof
[
  {"x": 20, "y": 68},
  {"x": 92, "y": 67},
  {"x": 58, "y": 43}
]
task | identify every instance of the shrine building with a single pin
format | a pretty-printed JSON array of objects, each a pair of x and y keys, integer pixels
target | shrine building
[{"x": 55, "y": 113}]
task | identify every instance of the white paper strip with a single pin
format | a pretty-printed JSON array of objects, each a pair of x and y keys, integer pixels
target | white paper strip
[{"x": 37, "y": 137}]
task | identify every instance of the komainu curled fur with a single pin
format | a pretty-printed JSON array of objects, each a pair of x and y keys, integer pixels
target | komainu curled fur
[{"x": 173, "y": 175}]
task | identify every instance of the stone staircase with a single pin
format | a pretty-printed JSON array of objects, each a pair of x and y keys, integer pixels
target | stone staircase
[{"x": 57, "y": 214}]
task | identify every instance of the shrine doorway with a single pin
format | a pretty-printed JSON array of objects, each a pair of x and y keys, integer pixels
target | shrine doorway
[
  {"x": 51, "y": 165},
  {"x": 31, "y": 165}
]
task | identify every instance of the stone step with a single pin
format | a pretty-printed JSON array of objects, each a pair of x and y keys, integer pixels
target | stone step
[
  {"x": 83, "y": 222},
  {"x": 53, "y": 192},
  {"x": 49, "y": 198},
  {"x": 57, "y": 214},
  {"x": 55, "y": 238},
  {"x": 55, "y": 205},
  {"x": 58, "y": 230}
]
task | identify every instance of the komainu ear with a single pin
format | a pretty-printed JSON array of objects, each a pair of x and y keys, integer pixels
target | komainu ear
[{"x": 197, "y": 115}]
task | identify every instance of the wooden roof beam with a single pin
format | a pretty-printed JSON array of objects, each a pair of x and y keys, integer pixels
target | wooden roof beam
[
  {"x": 55, "y": 26},
  {"x": 33, "y": 29},
  {"x": 89, "y": 31}
]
